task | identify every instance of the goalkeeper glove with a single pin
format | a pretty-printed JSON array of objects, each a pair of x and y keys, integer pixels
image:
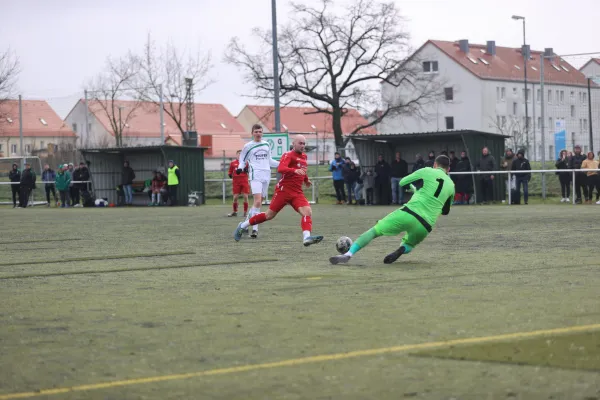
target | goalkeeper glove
[
  {"x": 246, "y": 170},
  {"x": 230, "y": 176},
  {"x": 238, "y": 171}
]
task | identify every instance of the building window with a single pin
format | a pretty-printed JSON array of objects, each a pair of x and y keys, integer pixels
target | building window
[
  {"x": 0, "y": 147},
  {"x": 528, "y": 93},
  {"x": 584, "y": 97},
  {"x": 572, "y": 111},
  {"x": 89, "y": 127},
  {"x": 13, "y": 149},
  {"x": 514, "y": 91},
  {"x": 74, "y": 127},
  {"x": 502, "y": 93},
  {"x": 449, "y": 93},
  {"x": 449, "y": 122},
  {"x": 585, "y": 126},
  {"x": 514, "y": 108},
  {"x": 42, "y": 145},
  {"x": 539, "y": 95},
  {"x": 539, "y": 124},
  {"x": 549, "y": 96},
  {"x": 562, "y": 97},
  {"x": 27, "y": 149},
  {"x": 503, "y": 120},
  {"x": 550, "y": 152},
  {"x": 557, "y": 97},
  {"x": 572, "y": 95},
  {"x": 550, "y": 126},
  {"x": 430, "y": 66},
  {"x": 526, "y": 122}
]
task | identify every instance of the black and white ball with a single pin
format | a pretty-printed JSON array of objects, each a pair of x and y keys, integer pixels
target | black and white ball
[{"x": 343, "y": 244}]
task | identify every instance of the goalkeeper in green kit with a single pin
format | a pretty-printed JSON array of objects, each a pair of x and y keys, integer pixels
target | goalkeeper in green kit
[{"x": 433, "y": 196}]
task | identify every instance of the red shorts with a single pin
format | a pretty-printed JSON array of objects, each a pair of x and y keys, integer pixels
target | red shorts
[
  {"x": 281, "y": 199},
  {"x": 241, "y": 186}
]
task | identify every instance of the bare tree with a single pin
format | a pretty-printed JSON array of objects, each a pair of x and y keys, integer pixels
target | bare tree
[
  {"x": 110, "y": 87},
  {"x": 169, "y": 67},
  {"x": 513, "y": 127},
  {"x": 9, "y": 69},
  {"x": 333, "y": 60}
]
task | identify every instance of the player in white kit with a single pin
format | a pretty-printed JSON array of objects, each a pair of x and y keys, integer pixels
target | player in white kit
[{"x": 258, "y": 155}]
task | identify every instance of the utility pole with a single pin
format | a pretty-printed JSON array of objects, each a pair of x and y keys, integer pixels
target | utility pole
[
  {"x": 275, "y": 66},
  {"x": 87, "y": 124},
  {"x": 162, "y": 117},
  {"x": 21, "y": 128},
  {"x": 542, "y": 59},
  {"x": 590, "y": 116},
  {"x": 525, "y": 52}
]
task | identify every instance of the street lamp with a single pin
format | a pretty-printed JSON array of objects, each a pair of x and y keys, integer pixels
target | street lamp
[
  {"x": 524, "y": 51},
  {"x": 275, "y": 66}
]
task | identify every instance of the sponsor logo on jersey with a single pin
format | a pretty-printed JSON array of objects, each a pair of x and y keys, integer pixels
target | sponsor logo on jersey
[{"x": 261, "y": 155}]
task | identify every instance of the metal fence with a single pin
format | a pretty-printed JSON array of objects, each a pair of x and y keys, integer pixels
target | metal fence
[{"x": 37, "y": 196}]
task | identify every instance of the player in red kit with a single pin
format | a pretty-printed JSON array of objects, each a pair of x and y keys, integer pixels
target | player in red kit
[
  {"x": 292, "y": 167},
  {"x": 240, "y": 184}
]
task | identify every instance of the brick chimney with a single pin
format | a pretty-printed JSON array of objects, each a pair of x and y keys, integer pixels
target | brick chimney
[
  {"x": 464, "y": 45},
  {"x": 491, "y": 47}
]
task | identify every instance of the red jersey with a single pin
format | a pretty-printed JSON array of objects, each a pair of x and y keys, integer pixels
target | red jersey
[
  {"x": 232, "y": 167},
  {"x": 289, "y": 163}
]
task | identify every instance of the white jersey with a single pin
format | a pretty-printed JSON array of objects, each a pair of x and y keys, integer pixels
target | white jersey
[{"x": 258, "y": 156}]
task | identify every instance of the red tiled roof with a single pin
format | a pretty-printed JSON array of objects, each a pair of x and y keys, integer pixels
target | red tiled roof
[
  {"x": 211, "y": 119},
  {"x": 503, "y": 66},
  {"x": 297, "y": 120},
  {"x": 34, "y": 111}
]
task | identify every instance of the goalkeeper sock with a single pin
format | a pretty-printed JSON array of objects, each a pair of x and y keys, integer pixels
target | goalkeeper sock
[
  {"x": 235, "y": 206},
  {"x": 245, "y": 207},
  {"x": 407, "y": 248},
  {"x": 362, "y": 241},
  {"x": 306, "y": 224}
]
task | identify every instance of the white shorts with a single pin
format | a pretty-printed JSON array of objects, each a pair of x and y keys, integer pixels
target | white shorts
[{"x": 259, "y": 182}]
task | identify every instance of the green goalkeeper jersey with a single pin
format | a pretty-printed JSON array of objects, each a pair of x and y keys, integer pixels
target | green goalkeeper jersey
[{"x": 434, "y": 195}]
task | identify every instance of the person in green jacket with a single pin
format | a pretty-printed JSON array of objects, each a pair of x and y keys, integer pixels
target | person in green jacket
[{"x": 62, "y": 182}]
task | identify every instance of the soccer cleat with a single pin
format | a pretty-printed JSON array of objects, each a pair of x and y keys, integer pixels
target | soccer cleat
[
  {"x": 254, "y": 234},
  {"x": 233, "y": 214},
  {"x": 312, "y": 240},
  {"x": 390, "y": 258},
  {"x": 339, "y": 259},
  {"x": 237, "y": 235}
]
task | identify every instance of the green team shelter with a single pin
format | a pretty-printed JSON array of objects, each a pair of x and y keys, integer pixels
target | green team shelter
[
  {"x": 369, "y": 146},
  {"x": 106, "y": 165}
]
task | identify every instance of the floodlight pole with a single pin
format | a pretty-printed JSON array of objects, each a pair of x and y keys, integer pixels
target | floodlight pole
[
  {"x": 543, "y": 114},
  {"x": 275, "y": 65},
  {"x": 21, "y": 127},
  {"x": 87, "y": 131},
  {"x": 162, "y": 117}
]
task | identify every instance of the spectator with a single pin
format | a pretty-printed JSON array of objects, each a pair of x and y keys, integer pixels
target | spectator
[
  {"x": 73, "y": 191},
  {"x": 157, "y": 187},
  {"x": 592, "y": 177},
  {"x": 382, "y": 181},
  {"x": 83, "y": 175},
  {"x": 464, "y": 182},
  {"x": 49, "y": 176},
  {"x": 62, "y": 182},
  {"x": 399, "y": 169},
  {"x": 164, "y": 196},
  {"x": 419, "y": 163},
  {"x": 358, "y": 189},
  {"x": 27, "y": 185},
  {"x": 580, "y": 179},
  {"x": 368, "y": 179},
  {"x": 431, "y": 159},
  {"x": 337, "y": 173},
  {"x": 522, "y": 178},
  {"x": 173, "y": 179},
  {"x": 127, "y": 177},
  {"x": 486, "y": 163},
  {"x": 507, "y": 165},
  {"x": 564, "y": 177},
  {"x": 453, "y": 165},
  {"x": 352, "y": 177},
  {"x": 15, "y": 187}
]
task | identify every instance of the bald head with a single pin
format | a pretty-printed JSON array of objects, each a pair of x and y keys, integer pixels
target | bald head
[{"x": 299, "y": 143}]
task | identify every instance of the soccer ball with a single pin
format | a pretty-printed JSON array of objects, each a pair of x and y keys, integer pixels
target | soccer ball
[
  {"x": 101, "y": 203},
  {"x": 343, "y": 244}
]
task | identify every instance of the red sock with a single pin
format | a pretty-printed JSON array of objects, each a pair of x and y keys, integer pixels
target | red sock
[
  {"x": 235, "y": 206},
  {"x": 306, "y": 224},
  {"x": 258, "y": 219},
  {"x": 245, "y": 207}
]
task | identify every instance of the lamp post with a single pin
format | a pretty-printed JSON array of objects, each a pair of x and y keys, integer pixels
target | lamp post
[
  {"x": 525, "y": 55},
  {"x": 275, "y": 65}
]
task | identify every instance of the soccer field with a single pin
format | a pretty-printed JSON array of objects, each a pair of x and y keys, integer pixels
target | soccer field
[{"x": 161, "y": 303}]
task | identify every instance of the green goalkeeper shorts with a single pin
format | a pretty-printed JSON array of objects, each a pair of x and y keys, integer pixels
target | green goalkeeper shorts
[{"x": 401, "y": 221}]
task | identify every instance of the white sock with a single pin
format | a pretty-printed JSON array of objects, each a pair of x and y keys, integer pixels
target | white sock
[
  {"x": 254, "y": 212},
  {"x": 245, "y": 224},
  {"x": 305, "y": 234}
]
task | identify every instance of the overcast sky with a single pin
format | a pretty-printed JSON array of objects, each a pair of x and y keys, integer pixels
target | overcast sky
[{"x": 62, "y": 43}]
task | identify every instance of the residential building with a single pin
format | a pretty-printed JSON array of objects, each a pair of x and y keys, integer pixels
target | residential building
[
  {"x": 43, "y": 130},
  {"x": 483, "y": 90},
  {"x": 217, "y": 129},
  {"x": 317, "y": 127},
  {"x": 591, "y": 69}
]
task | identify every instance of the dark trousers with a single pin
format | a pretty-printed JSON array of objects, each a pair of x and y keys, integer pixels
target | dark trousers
[
  {"x": 370, "y": 196},
  {"x": 74, "y": 194},
  {"x": 487, "y": 189},
  {"x": 593, "y": 182},
  {"x": 172, "y": 189},
  {"x": 383, "y": 193},
  {"x": 565, "y": 185},
  {"x": 50, "y": 188},
  {"x": 580, "y": 182},
  {"x": 340, "y": 194},
  {"x": 350, "y": 190},
  {"x": 16, "y": 193},
  {"x": 525, "y": 183},
  {"x": 64, "y": 198},
  {"x": 24, "y": 195}
]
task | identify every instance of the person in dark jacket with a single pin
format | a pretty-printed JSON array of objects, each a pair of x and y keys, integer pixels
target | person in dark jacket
[
  {"x": 522, "y": 178},
  {"x": 464, "y": 183},
  {"x": 349, "y": 178},
  {"x": 73, "y": 191},
  {"x": 419, "y": 163},
  {"x": 564, "y": 177},
  {"x": 382, "y": 181},
  {"x": 399, "y": 169},
  {"x": 453, "y": 165},
  {"x": 336, "y": 166},
  {"x": 430, "y": 159},
  {"x": 580, "y": 178},
  {"x": 49, "y": 176},
  {"x": 27, "y": 184},
  {"x": 15, "y": 187},
  {"x": 127, "y": 177},
  {"x": 83, "y": 176},
  {"x": 486, "y": 163}
]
